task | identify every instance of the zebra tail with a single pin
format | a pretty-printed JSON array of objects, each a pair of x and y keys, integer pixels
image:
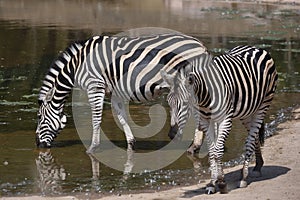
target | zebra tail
[{"x": 261, "y": 135}]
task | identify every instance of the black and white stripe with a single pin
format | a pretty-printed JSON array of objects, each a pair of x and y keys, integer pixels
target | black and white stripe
[
  {"x": 126, "y": 67},
  {"x": 239, "y": 84},
  {"x": 50, "y": 173}
]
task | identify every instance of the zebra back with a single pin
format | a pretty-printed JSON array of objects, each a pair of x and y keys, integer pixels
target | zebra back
[{"x": 130, "y": 66}]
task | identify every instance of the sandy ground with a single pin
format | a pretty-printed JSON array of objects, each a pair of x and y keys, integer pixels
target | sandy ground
[{"x": 280, "y": 174}]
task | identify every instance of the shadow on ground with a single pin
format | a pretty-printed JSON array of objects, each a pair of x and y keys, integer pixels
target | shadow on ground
[
  {"x": 65, "y": 143},
  {"x": 232, "y": 179}
]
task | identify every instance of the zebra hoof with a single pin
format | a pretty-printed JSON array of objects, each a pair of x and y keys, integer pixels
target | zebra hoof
[
  {"x": 210, "y": 189},
  {"x": 223, "y": 187},
  {"x": 43, "y": 145},
  {"x": 243, "y": 184}
]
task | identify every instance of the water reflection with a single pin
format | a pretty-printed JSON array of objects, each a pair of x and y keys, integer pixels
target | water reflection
[
  {"x": 55, "y": 178},
  {"x": 128, "y": 165},
  {"x": 51, "y": 174}
]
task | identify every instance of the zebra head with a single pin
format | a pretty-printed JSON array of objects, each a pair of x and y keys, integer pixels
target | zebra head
[
  {"x": 180, "y": 99},
  {"x": 51, "y": 120}
]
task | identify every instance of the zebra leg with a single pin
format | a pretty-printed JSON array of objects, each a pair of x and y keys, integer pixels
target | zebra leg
[
  {"x": 217, "y": 136},
  {"x": 217, "y": 174},
  {"x": 255, "y": 127},
  {"x": 198, "y": 136},
  {"x": 223, "y": 132},
  {"x": 258, "y": 156},
  {"x": 211, "y": 187},
  {"x": 95, "y": 167},
  {"x": 128, "y": 166},
  {"x": 119, "y": 108},
  {"x": 197, "y": 142},
  {"x": 96, "y": 93}
]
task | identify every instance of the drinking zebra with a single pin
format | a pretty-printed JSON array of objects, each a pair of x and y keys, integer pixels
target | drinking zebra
[
  {"x": 127, "y": 67},
  {"x": 239, "y": 84}
]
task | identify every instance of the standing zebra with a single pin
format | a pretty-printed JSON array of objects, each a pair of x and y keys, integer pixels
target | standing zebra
[
  {"x": 237, "y": 85},
  {"x": 127, "y": 67}
]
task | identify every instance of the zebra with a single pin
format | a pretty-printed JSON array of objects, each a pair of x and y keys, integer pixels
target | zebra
[
  {"x": 239, "y": 84},
  {"x": 125, "y": 66},
  {"x": 51, "y": 174}
]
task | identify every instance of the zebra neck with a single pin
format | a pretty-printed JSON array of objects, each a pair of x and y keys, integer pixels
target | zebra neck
[
  {"x": 60, "y": 97},
  {"x": 59, "y": 81},
  {"x": 202, "y": 92}
]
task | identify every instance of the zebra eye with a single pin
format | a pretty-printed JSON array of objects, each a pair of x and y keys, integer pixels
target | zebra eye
[{"x": 191, "y": 78}]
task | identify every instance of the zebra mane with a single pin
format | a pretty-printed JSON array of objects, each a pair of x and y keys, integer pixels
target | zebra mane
[
  {"x": 50, "y": 82},
  {"x": 181, "y": 76},
  {"x": 195, "y": 66}
]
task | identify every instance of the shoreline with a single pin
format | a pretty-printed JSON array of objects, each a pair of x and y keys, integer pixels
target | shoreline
[{"x": 280, "y": 174}]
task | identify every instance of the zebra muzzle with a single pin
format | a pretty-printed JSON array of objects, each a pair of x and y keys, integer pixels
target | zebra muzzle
[
  {"x": 43, "y": 145},
  {"x": 40, "y": 144}
]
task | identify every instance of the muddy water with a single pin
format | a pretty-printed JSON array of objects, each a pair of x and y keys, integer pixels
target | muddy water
[{"x": 33, "y": 33}]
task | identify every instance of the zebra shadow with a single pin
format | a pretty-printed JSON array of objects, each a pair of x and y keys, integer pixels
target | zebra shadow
[
  {"x": 232, "y": 179},
  {"x": 65, "y": 143}
]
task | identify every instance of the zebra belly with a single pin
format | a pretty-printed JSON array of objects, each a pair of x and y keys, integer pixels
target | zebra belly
[{"x": 138, "y": 92}]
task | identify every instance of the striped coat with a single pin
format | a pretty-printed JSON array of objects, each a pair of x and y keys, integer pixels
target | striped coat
[{"x": 126, "y": 67}]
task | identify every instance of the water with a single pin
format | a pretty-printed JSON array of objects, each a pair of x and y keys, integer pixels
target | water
[{"x": 33, "y": 33}]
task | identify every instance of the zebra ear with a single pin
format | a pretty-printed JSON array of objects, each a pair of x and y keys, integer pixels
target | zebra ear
[
  {"x": 168, "y": 79},
  {"x": 49, "y": 95}
]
